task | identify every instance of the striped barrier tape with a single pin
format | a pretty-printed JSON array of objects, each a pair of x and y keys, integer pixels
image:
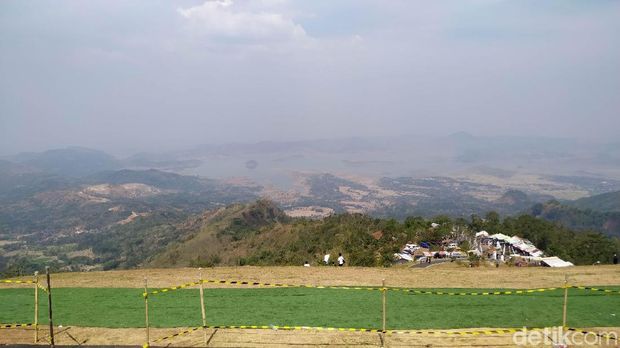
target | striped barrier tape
[
  {"x": 239, "y": 282},
  {"x": 487, "y": 293},
  {"x": 41, "y": 287},
  {"x": 608, "y": 336},
  {"x": 596, "y": 289},
  {"x": 11, "y": 281},
  {"x": 345, "y": 329},
  {"x": 15, "y": 326},
  {"x": 280, "y": 285},
  {"x": 178, "y": 334},
  {"x": 164, "y": 290},
  {"x": 308, "y": 286},
  {"x": 498, "y": 331}
]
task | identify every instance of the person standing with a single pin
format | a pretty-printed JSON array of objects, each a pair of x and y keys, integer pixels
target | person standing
[
  {"x": 615, "y": 259},
  {"x": 340, "y": 260}
]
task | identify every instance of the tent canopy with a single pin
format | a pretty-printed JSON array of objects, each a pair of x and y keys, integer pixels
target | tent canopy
[{"x": 555, "y": 261}]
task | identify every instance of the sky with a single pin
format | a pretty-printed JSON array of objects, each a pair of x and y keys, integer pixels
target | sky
[{"x": 157, "y": 75}]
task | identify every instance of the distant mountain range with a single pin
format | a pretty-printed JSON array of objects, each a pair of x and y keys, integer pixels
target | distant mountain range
[
  {"x": 72, "y": 162},
  {"x": 77, "y": 188},
  {"x": 395, "y": 156},
  {"x": 78, "y": 201}
]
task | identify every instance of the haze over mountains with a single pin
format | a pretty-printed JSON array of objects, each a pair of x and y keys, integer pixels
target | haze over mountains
[
  {"x": 369, "y": 173},
  {"x": 396, "y": 177},
  {"x": 81, "y": 208}
]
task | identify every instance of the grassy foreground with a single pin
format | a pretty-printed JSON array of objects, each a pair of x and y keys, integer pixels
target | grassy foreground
[{"x": 124, "y": 307}]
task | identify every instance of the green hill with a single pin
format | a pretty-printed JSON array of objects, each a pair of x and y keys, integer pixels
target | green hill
[
  {"x": 260, "y": 234},
  {"x": 224, "y": 235},
  {"x": 578, "y": 219},
  {"x": 606, "y": 202}
]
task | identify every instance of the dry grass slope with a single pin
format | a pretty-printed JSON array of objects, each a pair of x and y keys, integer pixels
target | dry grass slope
[{"x": 448, "y": 275}]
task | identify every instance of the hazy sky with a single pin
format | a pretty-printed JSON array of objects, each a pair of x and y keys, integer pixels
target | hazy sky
[{"x": 151, "y": 75}]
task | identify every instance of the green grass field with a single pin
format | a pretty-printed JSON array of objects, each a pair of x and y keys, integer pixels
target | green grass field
[{"x": 120, "y": 307}]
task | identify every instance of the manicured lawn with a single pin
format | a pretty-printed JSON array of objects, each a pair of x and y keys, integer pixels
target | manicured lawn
[{"x": 121, "y": 307}]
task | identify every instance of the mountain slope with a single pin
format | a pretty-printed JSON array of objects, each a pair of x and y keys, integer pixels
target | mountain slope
[
  {"x": 606, "y": 202},
  {"x": 71, "y": 161},
  {"x": 222, "y": 235},
  {"x": 259, "y": 234},
  {"x": 153, "y": 177},
  {"x": 40, "y": 203},
  {"x": 578, "y": 219}
]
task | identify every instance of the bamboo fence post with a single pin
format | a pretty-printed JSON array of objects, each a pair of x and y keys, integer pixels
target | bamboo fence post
[
  {"x": 384, "y": 291},
  {"x": 146, "y": 311},
  {"x": 565, "y": 301},
  {"x": 202, "y": 307},
  {"x": 49, "y": 304},
  {"x": 36, "y": 306}
]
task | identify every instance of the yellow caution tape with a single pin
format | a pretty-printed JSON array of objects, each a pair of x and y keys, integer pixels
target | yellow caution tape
[
  {"x": 582, "y": 331},
  {"x": 176, "y": 335},
  {"x": 596, "y": 289},
  {"x": 164, "y": 290},
  {"x": 15, "y": 326},
  {"x": 345, "y": 329},
  {"x": 486, "y": 293},
  {"x": 498, "y": 331},
  {"x": 11, "y": 281},
  {"x": 237, "y": 282},
  {"x": 41, "y": 287},
  {"x": 308, "y": 286}
]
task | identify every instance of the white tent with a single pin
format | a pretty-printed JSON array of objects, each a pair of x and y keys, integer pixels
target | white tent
[
  {"x": 555, "y": 261},
  {"x": 403, "y": 256},
  {"x": 482, "y": 234},
  {"x": 500, "y": 236}
]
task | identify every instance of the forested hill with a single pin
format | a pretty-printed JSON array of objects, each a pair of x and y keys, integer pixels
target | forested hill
[
  {"x": 606, "y": 202},
  {"x": 577, "y": 218},
  {"x": 260, "y": 234}
]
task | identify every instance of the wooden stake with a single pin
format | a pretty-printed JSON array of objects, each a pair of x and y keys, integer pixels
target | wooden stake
[
  {"x": 202, "y": 307},
  {"x": 146, "y": 311},
  {"x": 384, "y": 300},
  {"x": 383, "y": 293},
  {"x": 36, "y": 307},
  {"x": 565, "y": 301},
  {"x": 49, "y": 304}
]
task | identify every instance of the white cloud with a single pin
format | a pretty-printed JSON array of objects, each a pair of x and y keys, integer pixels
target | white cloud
[{"x": 227, "y": 19}]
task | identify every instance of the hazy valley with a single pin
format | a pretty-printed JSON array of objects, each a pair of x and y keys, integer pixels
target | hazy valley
[{"x": 85, "y": 209}]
